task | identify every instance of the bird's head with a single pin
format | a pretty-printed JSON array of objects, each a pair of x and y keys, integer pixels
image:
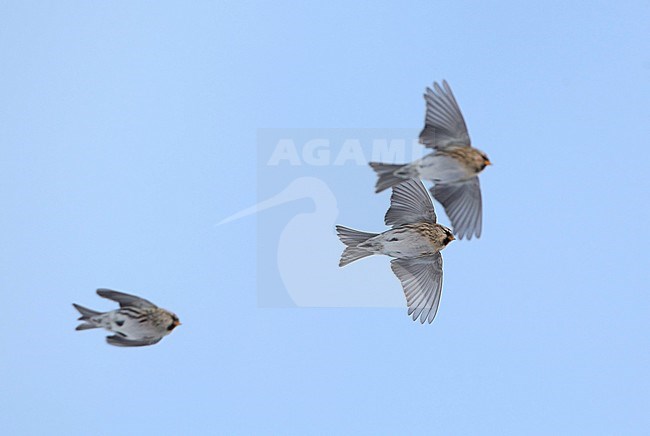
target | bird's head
[
  {"x": 174, "y": 322},
  {"x": 448, "y": 236},
  {"x": 483, "y": 160}
]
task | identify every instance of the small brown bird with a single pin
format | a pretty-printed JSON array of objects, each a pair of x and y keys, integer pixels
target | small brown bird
[
  {"x": 136, "y": 323},
  {"x": 414, "y": 241},
  {"x": 453, "y": 167}
]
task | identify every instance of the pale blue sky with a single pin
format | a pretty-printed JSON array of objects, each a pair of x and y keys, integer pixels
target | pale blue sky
[{"x": 129, "y": 129}]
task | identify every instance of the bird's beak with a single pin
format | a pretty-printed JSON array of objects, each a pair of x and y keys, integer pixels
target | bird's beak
[
  {"x": 177, "y": 323},
  {"x": 487, "y": 162}
]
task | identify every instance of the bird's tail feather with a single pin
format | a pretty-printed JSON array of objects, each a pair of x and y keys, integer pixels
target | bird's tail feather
[
  {"x": 350, "y": 254},
  {"x": 86, "y": 314},
  {"x": 352, "y": 238},
  {"x": 387, "y": 175}
]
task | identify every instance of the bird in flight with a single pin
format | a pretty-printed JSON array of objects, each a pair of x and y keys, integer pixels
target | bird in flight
[
  {"x": 453, "y": 166},
  {"x": 138, "y": 322},
  {"x": 414, "y": 241}
]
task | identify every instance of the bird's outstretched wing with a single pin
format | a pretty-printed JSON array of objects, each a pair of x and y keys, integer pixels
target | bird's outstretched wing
[
  {"x": 126, "y": 300},
  {"x": 120, "y": 341},
  {"x": 443, "y": 123},
  {"x": 463, "y": 204},
  {"x": 410, "y": 203},
  {"x": 421, "y": 279}
]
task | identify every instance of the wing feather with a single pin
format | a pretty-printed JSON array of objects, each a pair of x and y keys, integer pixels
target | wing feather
[
  {"x": 421, "y": 279},
  {"x": 463, "y": 205},
  {"x": 125, "y": 300},
  {"x": 410, "y": 203},
  {"x": 444, "y": 124},
  {"x": 120, "y": 341}
]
